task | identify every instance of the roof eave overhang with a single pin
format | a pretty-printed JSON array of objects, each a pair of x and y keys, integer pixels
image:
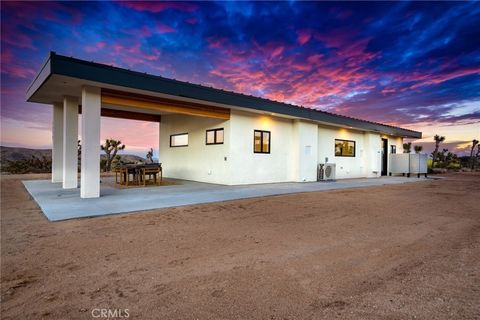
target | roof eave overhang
[
  {"x": 90, "y": 71},
  {"x": 41, "y": 77}
]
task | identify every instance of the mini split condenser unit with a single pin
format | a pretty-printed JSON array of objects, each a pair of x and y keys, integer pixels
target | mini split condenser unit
[{"x": 326, "y": 172}]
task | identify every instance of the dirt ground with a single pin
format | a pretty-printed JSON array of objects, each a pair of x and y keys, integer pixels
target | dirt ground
[{"x": 393, "y": 252}]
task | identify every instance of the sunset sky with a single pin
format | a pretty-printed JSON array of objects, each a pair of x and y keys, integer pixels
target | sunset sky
[{"x": 415, "y": 65}]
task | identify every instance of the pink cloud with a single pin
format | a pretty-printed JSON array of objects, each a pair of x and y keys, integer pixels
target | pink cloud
[
  {"x": 50, "y": 11},
  {"x": 216, "y": 42},
  {"x": 388, "y": 90},
  {"x": 163, "y": 28},
  {"x": 428, "y": 79},
  {"x": 12, "y": 67},
  {"x": 315, "y": 58},
  {"x": 145, "y": 32},
  {"x": 303, "y": 36},
  {"x": 96, "y": 47},
  {"x": 272, "y": 71},
  {"x": 19, "y": 40},
  {"x": 277, "y": 51},
  {"x": 156, "y": 7},
  {"x": 133, "y": 55},
  {"x": 336, "y": 38}
]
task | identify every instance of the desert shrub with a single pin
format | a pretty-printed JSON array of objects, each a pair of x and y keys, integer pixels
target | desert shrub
[
  {"x": 32, "y": 165},
  {"x": 453, "y": 165},
  {"x": 429, "y": 163},
  {"x": 103, "y": 165}
]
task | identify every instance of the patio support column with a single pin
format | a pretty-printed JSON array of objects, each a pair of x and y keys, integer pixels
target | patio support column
[
  {"x": 57, "y": 143},
  {"x": 90, "y": 162},
  {"x": 70, "y": 141}
]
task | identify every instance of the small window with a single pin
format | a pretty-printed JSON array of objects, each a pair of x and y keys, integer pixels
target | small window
[
  {"x": 261, "y": 141},
  {"x": 344, "y": 148},
  {"x": 179, "y": 140},
  {"x": 393, "y": 148},
  {"x": 214, "y": 136}
]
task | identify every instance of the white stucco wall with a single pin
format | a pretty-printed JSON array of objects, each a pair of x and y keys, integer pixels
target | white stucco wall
[
  {"x": 249, "y": 167},
  {"x": 346, "y": 167},
  {"x": 197, "y": 161},
  {"x": 372, "y": 154},
  {"x": 304, "y": 151},
  {"x": 297, "y": 146}
]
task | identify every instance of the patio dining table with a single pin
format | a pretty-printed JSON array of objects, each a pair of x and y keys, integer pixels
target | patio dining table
[{"x": 138, "y": 173}]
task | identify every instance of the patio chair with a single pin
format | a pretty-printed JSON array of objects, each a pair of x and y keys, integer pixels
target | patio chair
[
  {"x": 124, "y": 172},
  {"x": 118, "y": 173},
  {"x": 154, "y": 170}
]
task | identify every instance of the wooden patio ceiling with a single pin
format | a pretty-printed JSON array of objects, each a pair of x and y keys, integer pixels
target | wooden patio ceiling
[{"x": 138, "y": 102}]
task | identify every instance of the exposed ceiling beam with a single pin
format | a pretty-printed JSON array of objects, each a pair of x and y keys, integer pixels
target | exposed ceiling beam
[
  {"x": 121, "y": 114},
  {"x": 138, "y": 101}
]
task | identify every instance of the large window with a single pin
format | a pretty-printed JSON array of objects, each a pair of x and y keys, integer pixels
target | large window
[
  {"x": 214, "y": 136},
  {"x": 344, "y": 148},
  {"x": 179, "y": 140},
  {"x": 261, "y": 141}
]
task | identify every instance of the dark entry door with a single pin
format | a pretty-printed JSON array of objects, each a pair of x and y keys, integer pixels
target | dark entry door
[{"x": 384, "y": 156}]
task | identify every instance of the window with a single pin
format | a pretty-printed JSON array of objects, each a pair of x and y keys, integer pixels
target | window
[
  {"x": 179, "y": 140},
  {"x": 393, "y": 148},
  {"x": 344, "y": 148},
  {"x": 214, "y": 136},
  {"x": 261, "y": 141}
]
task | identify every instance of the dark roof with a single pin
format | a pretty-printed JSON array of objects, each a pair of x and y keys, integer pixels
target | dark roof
[{"x": 92, "y": 71}]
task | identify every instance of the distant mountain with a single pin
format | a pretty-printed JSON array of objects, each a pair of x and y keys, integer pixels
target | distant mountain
[
  {"x": 459, "y": 147},
  {"x": 128, "y": 158},
  {"x": 14, "y": 154}
]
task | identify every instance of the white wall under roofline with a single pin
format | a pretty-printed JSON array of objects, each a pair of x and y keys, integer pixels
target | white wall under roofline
[
  {"x": 249, "y": 167},
  {"x": 297, "y": 146},
  {"x": 197, "y": 161}
]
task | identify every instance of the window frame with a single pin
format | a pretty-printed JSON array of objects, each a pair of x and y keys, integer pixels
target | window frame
[
  {"x": 261, "y": 141},
  {"x": 348, "y": 156},
  {"x": 393, "y": 149},
  {"x": 178, "y": 134},
  {"x": 214, "y": 136}
]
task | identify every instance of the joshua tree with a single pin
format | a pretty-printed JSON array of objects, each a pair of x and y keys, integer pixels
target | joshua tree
[
  {"x": 477, "y": 156},
  {"x": 445, "y": 158},
  {"x": 150, "y": 155},
  {"x": 111, "y": 147},
  {"x": 407, "y": 147},
  {"x": 116, "y": 161},
  {"x": 418, "y": 149},
  {"x": 450, "y": 156},
  {"x": 472, "y": 158},
  {"x": 438, "y": 139}
]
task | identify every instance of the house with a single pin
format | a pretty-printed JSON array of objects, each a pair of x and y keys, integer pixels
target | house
[{"x": 206, "y": 134}]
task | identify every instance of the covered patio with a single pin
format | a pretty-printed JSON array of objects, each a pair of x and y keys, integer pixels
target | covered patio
[
  {"x": 76, "y": 87},
  {"x": 62, "y": 204}
]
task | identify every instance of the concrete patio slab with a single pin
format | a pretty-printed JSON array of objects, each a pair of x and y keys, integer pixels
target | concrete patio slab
[{"x": 58, "y": 204}]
